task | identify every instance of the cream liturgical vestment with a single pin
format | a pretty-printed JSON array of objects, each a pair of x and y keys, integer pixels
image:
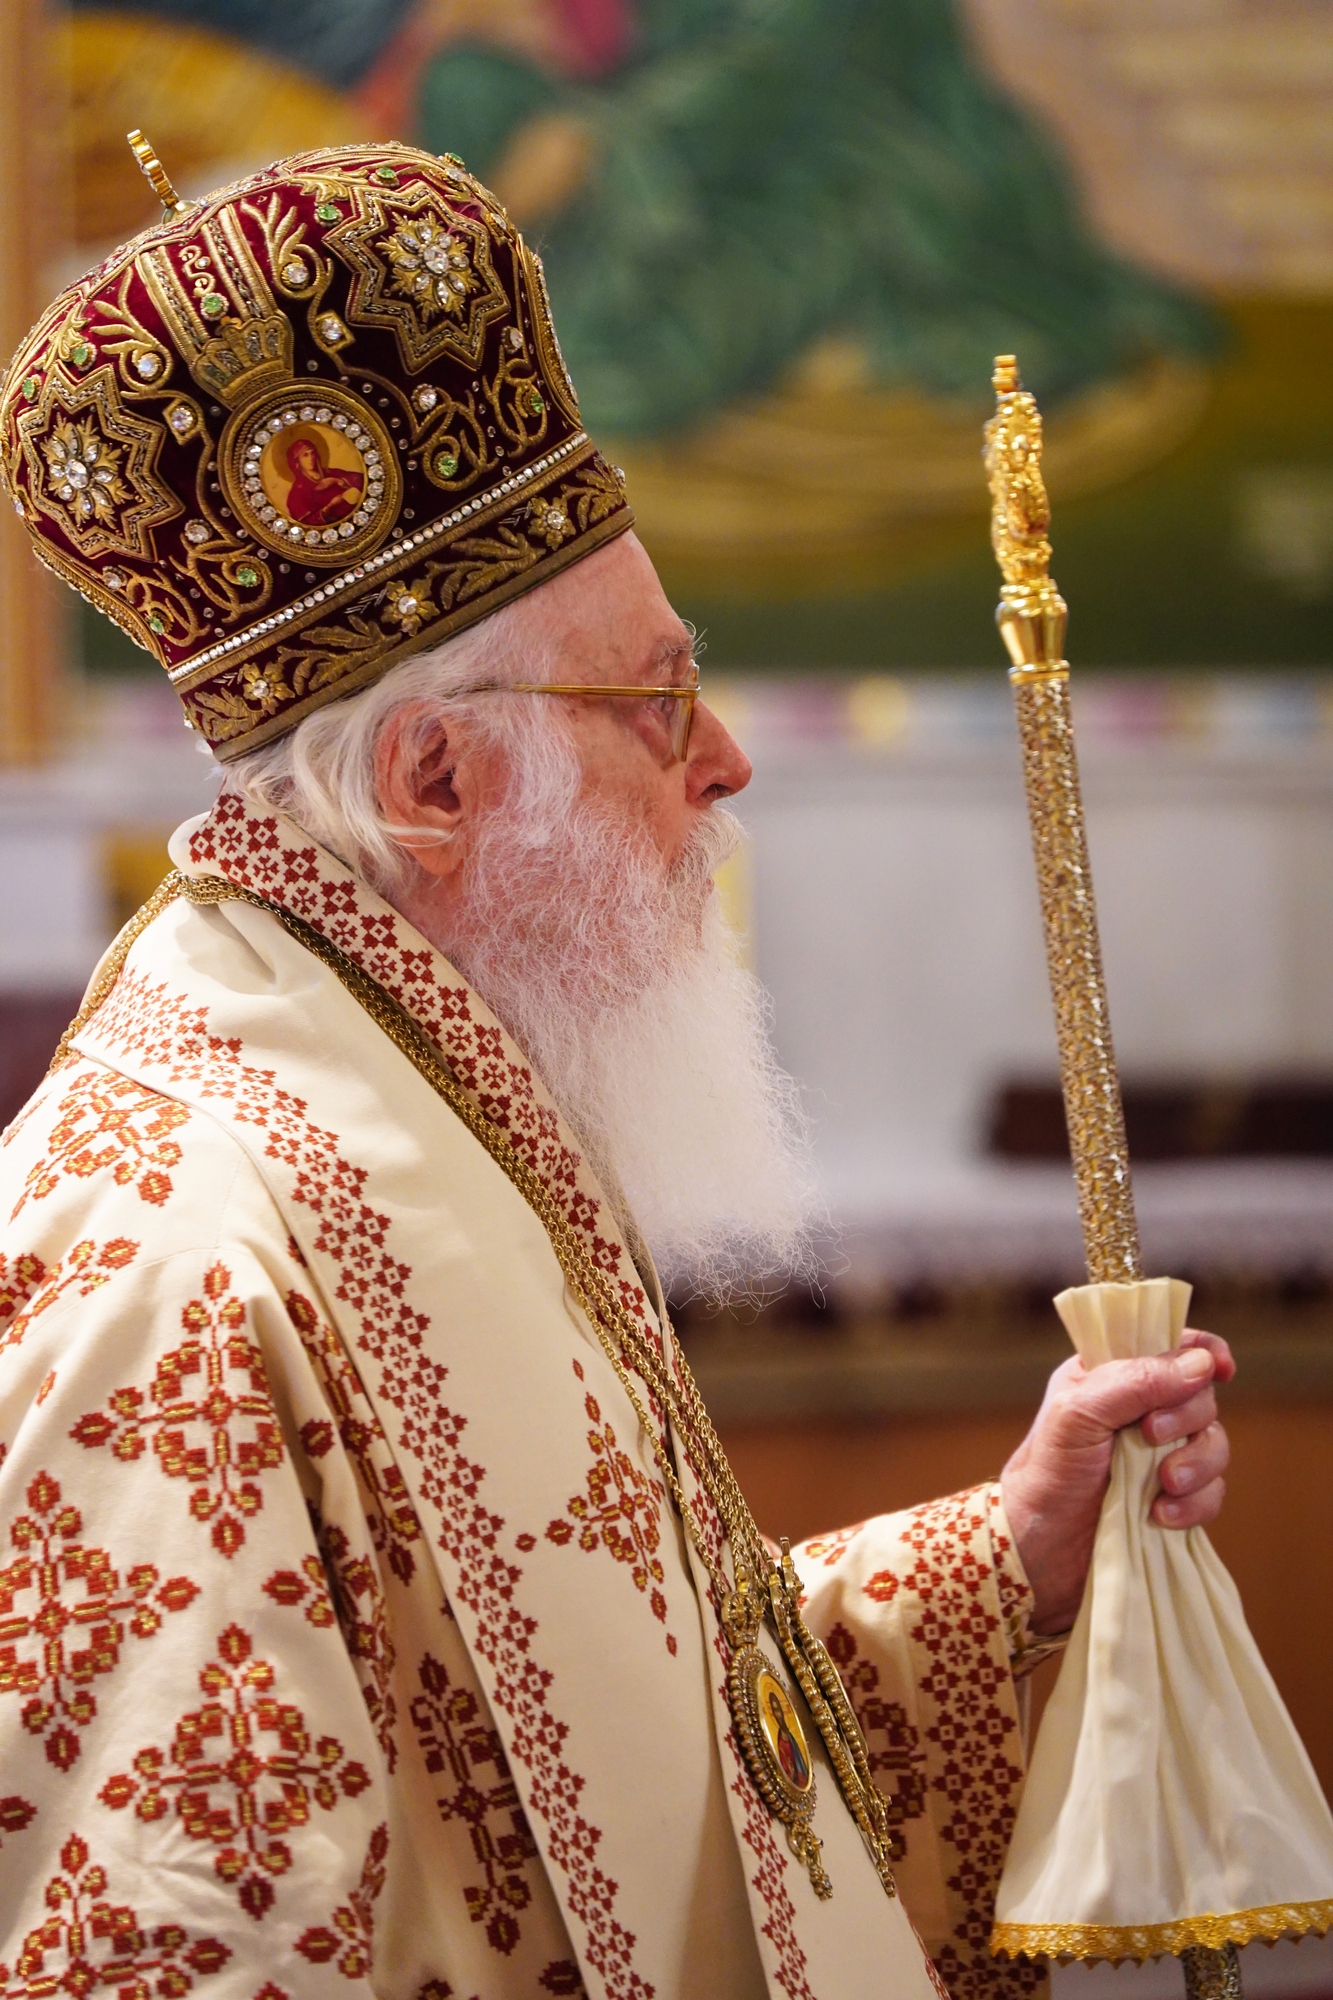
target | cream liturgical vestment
[{"x": 349, "y": 1640}]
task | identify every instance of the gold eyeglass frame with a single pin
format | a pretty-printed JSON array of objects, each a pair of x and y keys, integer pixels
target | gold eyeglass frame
[{"x": 682, "y": 720}]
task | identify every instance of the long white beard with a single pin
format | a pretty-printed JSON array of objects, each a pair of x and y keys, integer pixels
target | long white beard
[{"x": 620, "y": 979}]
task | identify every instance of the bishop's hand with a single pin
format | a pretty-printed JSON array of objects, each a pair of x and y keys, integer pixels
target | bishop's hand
[{"x": 1054, "y": 1484}]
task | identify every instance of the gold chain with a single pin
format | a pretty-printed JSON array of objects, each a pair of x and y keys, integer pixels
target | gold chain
[{"x": 763, "y": 1588}]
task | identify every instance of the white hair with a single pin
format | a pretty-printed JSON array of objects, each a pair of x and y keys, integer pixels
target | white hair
[
  {"x": 322, "y": 773},
  {"x": 610, "y": 965}
]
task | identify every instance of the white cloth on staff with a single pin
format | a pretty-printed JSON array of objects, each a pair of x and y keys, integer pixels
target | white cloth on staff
[{"x": 1170, "y": 1801}]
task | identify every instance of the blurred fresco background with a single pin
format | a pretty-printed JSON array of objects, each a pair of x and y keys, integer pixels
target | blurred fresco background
[{"x": 784, "y": 239}]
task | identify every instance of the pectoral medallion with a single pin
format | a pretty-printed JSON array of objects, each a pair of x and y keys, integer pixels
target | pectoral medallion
[{"x": 778, "y": 1756}]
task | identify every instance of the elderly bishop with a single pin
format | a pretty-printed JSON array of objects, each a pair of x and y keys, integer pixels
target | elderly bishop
[{"x": 378, "y": 1612}]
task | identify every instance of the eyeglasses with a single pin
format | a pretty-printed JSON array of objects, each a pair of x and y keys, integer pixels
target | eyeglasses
[{"x": 677, "y": 710}]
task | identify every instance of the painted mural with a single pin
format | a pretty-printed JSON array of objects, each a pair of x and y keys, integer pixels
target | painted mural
[{"x": 784, "y": 239}]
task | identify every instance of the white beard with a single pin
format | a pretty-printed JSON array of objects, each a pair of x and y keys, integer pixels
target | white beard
[{"x": 620, "y": 979}]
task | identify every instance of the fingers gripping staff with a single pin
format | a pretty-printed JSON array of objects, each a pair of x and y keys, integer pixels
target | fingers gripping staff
[{"x": 1139, "y": 1833}]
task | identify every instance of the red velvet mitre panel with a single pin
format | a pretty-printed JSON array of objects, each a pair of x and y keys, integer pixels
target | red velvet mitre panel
[{"x": 303, "y": 428}]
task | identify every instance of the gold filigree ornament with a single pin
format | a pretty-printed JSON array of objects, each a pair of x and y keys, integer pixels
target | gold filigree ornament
[
  {"x": 312, "y": 469},
  {"x": 423, "y": 273},
  {"x": 92, "y": 464}
]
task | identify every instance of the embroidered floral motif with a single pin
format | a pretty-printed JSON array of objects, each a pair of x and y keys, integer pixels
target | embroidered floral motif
[
  {"x": 458, "y": 1741},
  {"x": 242, "y": 1740},
  {"x": 57, "y": 1593},
  {"x": 390, "y": 1515},
  {"x": 83, "y": 469},
  {"x": 106, "y": 1120},
  {"x": 550, "y": 521},
  {"x": 86, "y": 1942},
  {"x": 290, "y": 1587},
  {"x": 196, "y": 1414},
  {"x": 431, "y": 266},
  {"x": 894, "y": 1744},
  {"x": 348, "y": 1940},
  {"x": 620, "y": 1512},
  {"x": 28, "y": 1288},
  {"x": 424, "y": 271},
  {"x": 16, "y": 1815}
]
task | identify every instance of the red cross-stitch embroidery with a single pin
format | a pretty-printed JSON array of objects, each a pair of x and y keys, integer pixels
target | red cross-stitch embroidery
[
  {"x": 830, "y": 1549},
  {"x": 950, "y": 1623},
  {"x": 107, "y": 1120},
  {"x": 563, "y": 1976},
  {"x": 242, "y": 1772},
  {"x": 163, "y": 1030},
  {"x": 347, "y": 1941},
  {"x": 16, "y": 1815},
  {"x": 276, "y": 860},
  {"x": 19, "y": 1279},
  {"x": 620, "y": 1512},
  {"x": 292, "y": 1587},
  {"x": 390, "y": 1515},
  {"x": 58, "y": 1593},
  {"x": 194, "y": 1410},
  {"x": 893, "y": 1742},
  {"x": 28, "y": 1287},
  {"x": 458, "y": 1743},
  {"x": 87, "y": 1942}
]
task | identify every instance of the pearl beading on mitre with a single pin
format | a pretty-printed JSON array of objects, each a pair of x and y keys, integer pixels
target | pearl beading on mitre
[{"x": 360, "y": 571}]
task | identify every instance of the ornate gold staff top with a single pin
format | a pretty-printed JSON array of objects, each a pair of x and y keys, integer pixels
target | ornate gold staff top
[{"x": 1031, "y": 617}]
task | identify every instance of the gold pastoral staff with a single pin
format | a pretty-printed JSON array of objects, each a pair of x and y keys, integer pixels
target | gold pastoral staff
[{"x": 1031, "y": 617}]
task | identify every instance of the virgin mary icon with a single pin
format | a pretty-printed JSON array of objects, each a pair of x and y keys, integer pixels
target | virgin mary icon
[{"x": 320, "y": 494}]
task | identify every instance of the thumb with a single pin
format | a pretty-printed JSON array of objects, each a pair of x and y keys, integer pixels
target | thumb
[{"x": 1120, "y": 1393}]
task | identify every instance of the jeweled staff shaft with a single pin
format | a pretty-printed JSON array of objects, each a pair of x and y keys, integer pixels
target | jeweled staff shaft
[{"x": 1031, "y": 617}]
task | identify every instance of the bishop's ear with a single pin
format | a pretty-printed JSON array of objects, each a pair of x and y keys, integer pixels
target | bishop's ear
[{"x": 422, "y": 787}]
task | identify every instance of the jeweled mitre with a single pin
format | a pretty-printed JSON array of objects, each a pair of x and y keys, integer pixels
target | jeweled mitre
[{"x": 302, "y": 428}]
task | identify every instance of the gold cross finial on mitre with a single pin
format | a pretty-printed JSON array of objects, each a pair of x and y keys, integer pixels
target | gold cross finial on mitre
[{"x": 156, "y": 175}]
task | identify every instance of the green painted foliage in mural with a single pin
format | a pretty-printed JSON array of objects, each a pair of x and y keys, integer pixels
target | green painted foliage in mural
[{"x": 768, "y": 174}]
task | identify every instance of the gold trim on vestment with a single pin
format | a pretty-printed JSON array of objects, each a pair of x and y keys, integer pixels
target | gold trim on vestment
[{"x": 1140, "y": 1941}]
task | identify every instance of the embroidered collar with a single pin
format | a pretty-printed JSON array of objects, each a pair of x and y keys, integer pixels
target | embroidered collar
[{"x": 273, "y": 857}]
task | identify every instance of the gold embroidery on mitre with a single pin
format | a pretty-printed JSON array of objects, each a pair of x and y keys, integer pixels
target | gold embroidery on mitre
[
  {"x": 91, "y": 464},
  {"x": 548, "y": 344},
  {"x": 220, "y": 311},
  {"x": 421, "y": 270}
]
